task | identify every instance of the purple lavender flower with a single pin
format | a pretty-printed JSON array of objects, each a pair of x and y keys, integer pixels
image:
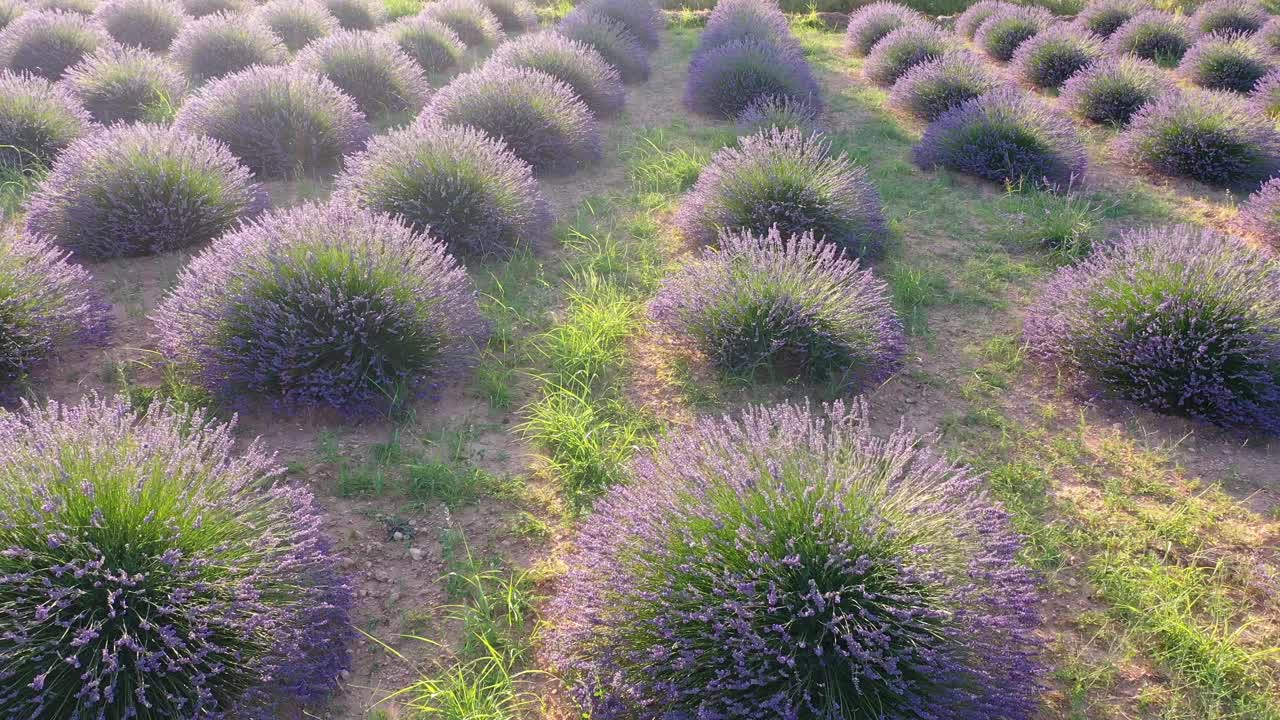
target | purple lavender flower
[
  {"x": 540, "y": 118},
  {"x": 127, "y": 84},
  {"x": 149, "y": 570},
  {"x": 773, "y": 112},
  {"x": 1226, "y": 61},
  {"x": 81, "y": 7},
  {"x": 357, "y": 14},
  {"x": 759, "y": 20},
  {"x": 37, "y": 120},
  {"x": 280, "y": 122},
  {"x": 1111, "y": 91},
  {"x": 473, "y": 23},
  {"x": 147, "y": 24},
  {"x": 1007, "y": 28},
  {"x": 930, "y": 89},
  {"x": 1049, "y": 59},
  {"x": 725, "y": 80},
  {"x": 1265, "y": 97},
  {"x": 204, "y": 8},
  {"x": 225, "y": 43},
  {"x": 789, "y": 564},
  {"x": 870, "y": 23},
  {"x": 514, "y": 16},
  {"x": 1269, "y": 36},
  {"x": 1152, "y": 35},
  {"x": 1006, "y": 136},
  {"x": 47, "y": 42},
  {"x": 464, "y": 187},
  {"x": 297, "y": 22},
  {"x": 968, "y": 22},
  {"x": 322, "y": 305},
  {"x": 1230, "y": 16},
  {"x": 611, "y": 39},
  {"x": 787, "y": 179},
  {"x": 371, "y": 69},
  {"x": 11, "y": 10},
  {"x": 792, "y": 305},
  {"x": 1104, "y": 17},
  {"x": 430, "y": 43},
  {"x": 140, "y": 190},
  {"x": 640, "y": 17},
  {"x": 905, "y": 48},
  {"x": 1213, "y": 137},
  {"x": 1260, "y": 214},
  {"x": 45, "y": 302},
  {"x": 1180, "y": 320},
  {"x": 596, "y": 83}
]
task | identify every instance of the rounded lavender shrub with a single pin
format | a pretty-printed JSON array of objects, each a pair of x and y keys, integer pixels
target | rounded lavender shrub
[
  {"x": 782, "y": 113},
  {"x": 1006, "y": 136},
  {"x": 464, "y": 187},
  {"x": 1005, "y": 30},
  {"x": 1230, "y": 16},
  {"x": 1213, "y": 137},
  {"x": 930, "y": 89},
  {"x": 474, "y": 24},
  {"x": 1265, "y": 97},
  {"x": 724, "y": 81},
  {"x": 968, "y": 22},
  {"x": 1110, "y": 91},
  {"x": 10, "y": 10},
  {"x": 45, "y": 303},
  {"x": 140, "y": 190},
  {"x": 640, "y": 17},
  {"x": 1226, "y": 62},
  {"x": 47, "y": 42},
  {"x": 790, "y": 180},
  {"x": 280, "y": 122},
  {"x": 759, "y": 20},
  {"x": 127, "y": 85},
  {"x": 1180, "y": 320},
  {"x": 1269, "y": 36},
  {"x": 1104, "y": 17},
  {"x": 905, "y": 48},
  {"x": 514, "y": 16},
  {"x": 539, "y": 118},
  {"x": 297, "y": 22},
  {"x": 614, "y": 42},
  {"x": 147, "y": 24},
  {"x": 322, "y": 305},
  {"x": 1049, "y": 59},
  {"x": 83, "y": 7},
  {"x": 1260, "y": 214},
  {"x": 37, "y": 120},
  {"x": 1152, "y": 35},
  {"x": 784, "y": 307},
  {"x": 430, "y": 43},
  {"x": 594, "y": 81},
  {"x": 201, "y": 8},
  {"x": 223, "y": 43},
  {"x": 357, "y": 14},
  {"x": 870, "y": 23},
  {"x": 148, "y": 569},
  {"x": 371, "y": 69},
  {"x": 789, "y": 563}
]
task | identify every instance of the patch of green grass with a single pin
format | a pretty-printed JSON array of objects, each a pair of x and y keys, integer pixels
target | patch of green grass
[
  {"x": 1067, "y": 225},
  {"x": 656, "y": 164},
  {"x": 915, "y": 290},
  {"x": 15, "y": 185},
  {"x": 397, "y": 9}
]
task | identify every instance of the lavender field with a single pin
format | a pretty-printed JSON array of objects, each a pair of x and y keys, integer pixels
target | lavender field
[{"x": 511, "y": 359}]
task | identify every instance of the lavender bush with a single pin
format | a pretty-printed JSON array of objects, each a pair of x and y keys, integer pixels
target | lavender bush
[
  {"x": 37, "y": 120},
  {"x": 225, "y": 43},
  {"x": 1006, "y": 136},
  {"x": 1226, "y": 62},
  {"x": 1229, "y": 16},
  {"x": 968, "y": 22},
  {"x": 371, "y": 69},
  {"x": 127, "y": 85},
  {"x": 280, "y": 122},
  {"x": 45, "y": 303},
  {"x": 203, "y": 8},
  {"x": 1260, "y": 214},
  {"x": 870, "y": 23},
  {"x": 1180, "y": 320},
  {"x": 474, "y": 24},
  {"x": 930, "y": 89},
  {"x": 759, "y": 20},
  {"x": 322, "y": 305},
  {"x": 149, "y": 570},
  {"x": 640, "y": 17},
  {"x": 1111, "y": 91},
  {"x": 1152, "y": 35},
  {"x": 1269, "y": 36},
  {"x": 905, "y": 48},
  {"x": 1104, "y": 17},
  {"x": 1265, "y": 97},
  {"x": 596, "y": 83},
  {"x": 1049, "y": 59},
  {"x": 82, "y": 7},
  {"x": 10, "y": 10},
  {"x": 464, "y": 187},
  {"x": 430, "y": 43},
  {"x": 514, "y": 16},
  {"x": 537, "y": 116},
  {"x": 147, "y": 24},
  {"x": 297, "y": 22},
  {"x": 788, "y": 563},
  {"x": 1005, "y": 30},
  {"x": 788, "y": 180},
  {"x": 773, "y": 112},
  {"x": 724, "y": 81},
  {"x": 357, "y": 14},
  {"x": 47, "y": 42},
  {"x": 784, "y": 306},
  {"x": 1213, "y": 137},
  {"x": 611, "y": 39},
  {"x": 139, "y": 190}
]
